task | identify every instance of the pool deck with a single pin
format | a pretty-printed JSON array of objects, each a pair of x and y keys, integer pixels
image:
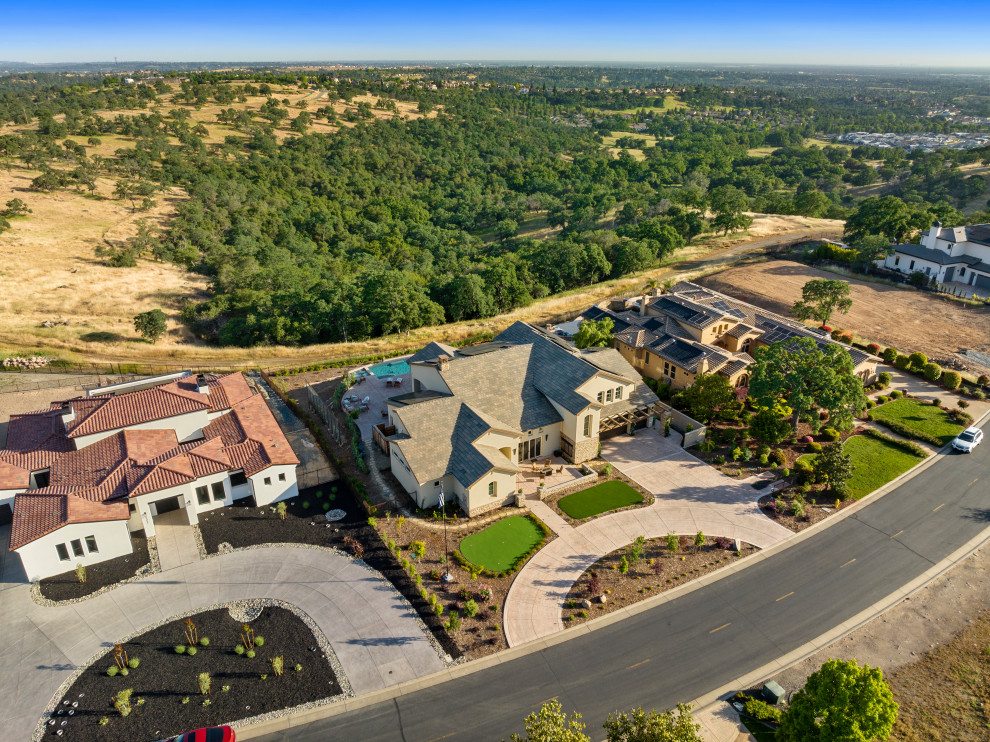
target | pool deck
[{"x": 374, "y": 388}]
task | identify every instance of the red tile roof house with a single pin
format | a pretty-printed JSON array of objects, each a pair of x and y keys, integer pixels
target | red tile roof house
[{"x": 85, "y": 473}]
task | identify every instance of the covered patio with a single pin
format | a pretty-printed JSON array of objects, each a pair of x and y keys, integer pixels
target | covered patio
[{"x": 533, "y": 473}]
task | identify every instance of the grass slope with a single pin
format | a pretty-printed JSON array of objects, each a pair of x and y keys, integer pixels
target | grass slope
[
  {"x": 502, "y": 544},
  {"x": 876, "y": 462},
  {"x": 924, "y": 418},
  {"x": 599, "y": 499}
]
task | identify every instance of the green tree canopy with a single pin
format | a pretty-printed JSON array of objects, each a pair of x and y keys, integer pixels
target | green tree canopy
[
  {"x": 840, "y": 702},
  {"x": 708, "y": 396},
  {"x": 834, "y": 467},
  {"x": 595, "y": 333},
  {"x": 551, "y": 724},
  {"x": 870, "y": 248},
  {"x": 807, "y": 377},
  {"x": 654, "y": 726},
  {"x": 151, "y": 324},
  {"x": 821, "y": 298},
  {"x": 888, "y": 216}
]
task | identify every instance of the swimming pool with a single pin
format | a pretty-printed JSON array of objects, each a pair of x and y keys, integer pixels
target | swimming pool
[{"x": 390, "y": 368}]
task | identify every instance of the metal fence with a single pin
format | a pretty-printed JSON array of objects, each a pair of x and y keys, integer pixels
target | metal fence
[{"x": 323, "y": 410}]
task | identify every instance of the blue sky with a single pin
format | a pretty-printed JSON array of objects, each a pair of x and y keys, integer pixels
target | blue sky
[{"x": 794, "y": 32}]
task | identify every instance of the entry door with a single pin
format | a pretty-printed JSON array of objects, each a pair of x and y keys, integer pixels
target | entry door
[{"x": 168, "y": 505}]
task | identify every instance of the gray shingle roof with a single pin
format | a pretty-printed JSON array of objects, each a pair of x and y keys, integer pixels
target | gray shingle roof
[
  {"x": 939, "y": 257},
  {"x": 431, "y": 352}
]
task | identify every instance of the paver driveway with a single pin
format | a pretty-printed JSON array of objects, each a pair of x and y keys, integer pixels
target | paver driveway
[
  {"x": 375, "y": 633},
  {"x": 690, "y": 497}
]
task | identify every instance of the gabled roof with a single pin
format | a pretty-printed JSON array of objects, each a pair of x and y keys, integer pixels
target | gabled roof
[
  {"x": 431, "y": 352},
  {"x": 37, "y": 514},
  {"x": 940, "y": 257}
]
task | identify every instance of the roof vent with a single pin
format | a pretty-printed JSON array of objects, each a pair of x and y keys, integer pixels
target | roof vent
[{"x": 443, "y": 361}]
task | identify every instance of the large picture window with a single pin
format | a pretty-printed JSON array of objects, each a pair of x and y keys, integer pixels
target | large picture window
[
  {"x": 203, "y": 495},
  {"x": 218, "y": 493},
  {"x": 63, "y": 553},
  {"x": 587, "y": 426},
  {"x": 77, "y": 548},
  {"x": 91, "y": 545}
]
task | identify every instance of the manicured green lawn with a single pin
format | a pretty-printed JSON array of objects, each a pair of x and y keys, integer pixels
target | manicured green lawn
[
  {"x": 925, "y": 418},
  {"x": 502, "y": 544},
  {"x": 877, "y": 462},
  {"x": 599, "y": 499}
]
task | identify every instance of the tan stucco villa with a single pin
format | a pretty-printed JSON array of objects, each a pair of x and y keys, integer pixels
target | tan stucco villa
[
  {"x": 475, "y": 414},
  {"x": 78, "y": 478},
  {"x": 690, "y": 329}
]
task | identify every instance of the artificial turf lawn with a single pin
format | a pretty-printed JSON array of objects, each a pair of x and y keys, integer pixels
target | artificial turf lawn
[
  {"x": 876, "y": 462},
  {"x": 599, "y": 499},
  {"x": 502, "y": 544},
  {"x": 925, "y": 418}
]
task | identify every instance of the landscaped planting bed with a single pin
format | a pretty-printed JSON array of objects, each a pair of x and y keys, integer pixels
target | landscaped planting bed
[
  {"x": 419, "y": 545},
  {"x": 66, "y": 586},
  {"x": 926, "y": 419},
  {"x": 167, "y": 699},
  {"x": 599, "y": 498},
  {"x": 500, "y": 546},
  {"x": 657, "y": 569},
  {"x": 876, "y": 462}
]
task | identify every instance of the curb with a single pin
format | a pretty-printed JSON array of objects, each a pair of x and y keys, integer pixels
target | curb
[{"x": 291, "y": 720}]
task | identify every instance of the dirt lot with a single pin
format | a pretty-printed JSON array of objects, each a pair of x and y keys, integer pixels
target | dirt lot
[
  {"x": 934, "y": 649},
  {"x": 907, "y": 319}
]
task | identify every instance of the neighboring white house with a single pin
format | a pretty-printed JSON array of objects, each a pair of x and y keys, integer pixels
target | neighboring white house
[
  {"x": 83, "y": 475},
  {"x": 475, "y": 414},
  {"x": 957, "y": 254}
]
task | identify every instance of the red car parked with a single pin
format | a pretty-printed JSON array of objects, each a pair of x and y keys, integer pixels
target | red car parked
[{"x": 209, "y": 734}]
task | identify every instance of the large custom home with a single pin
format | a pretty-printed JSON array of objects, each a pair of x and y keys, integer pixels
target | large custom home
[
  {"x": 690, "y": 330},
  {"x": 84, "y": 474},
  {"x": 475, "y": 414},
  {"x": 957, "y": 254}
]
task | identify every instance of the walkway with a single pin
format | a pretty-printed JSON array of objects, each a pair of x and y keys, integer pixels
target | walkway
[
  {"x": 175, "y": 540},
  {"x": 376, "y": 635},
  {"x": 690, "y": 497}
]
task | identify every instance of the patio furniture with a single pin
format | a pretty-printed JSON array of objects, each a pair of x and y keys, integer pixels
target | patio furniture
[
  {"x": 389, "y": 381},
  {"x": 364, "y": 402},
  {"x": 398, "y": 381}
]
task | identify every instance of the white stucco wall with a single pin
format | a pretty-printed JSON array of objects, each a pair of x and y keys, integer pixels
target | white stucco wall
[
  {"x": 602, "y": 383},
  {"x": 185, "y": 426},
  {"x": 429, "y": 377},
  {"x": 7, "y": 497},
  {"x": 476, "y": 499},
  {"x": 265, "y": 494},
  {"x": 40, "y": 559}
]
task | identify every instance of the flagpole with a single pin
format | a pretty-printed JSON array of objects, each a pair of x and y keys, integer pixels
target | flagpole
[{"x": 443, "y": 511}]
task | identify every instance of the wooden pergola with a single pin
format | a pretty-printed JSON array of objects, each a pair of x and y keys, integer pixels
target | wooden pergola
[{"x": 630, "y": 417}]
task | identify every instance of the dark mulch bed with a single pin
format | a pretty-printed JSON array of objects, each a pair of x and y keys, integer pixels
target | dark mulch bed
[
  {"x": 66, "y": 586},
  {"x": 163, "y": 679},
  {"x": 247, "y": 525},
  {"x": 816, "y": 508}
]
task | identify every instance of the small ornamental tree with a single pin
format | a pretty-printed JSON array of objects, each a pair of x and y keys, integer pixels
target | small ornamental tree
[
  {"x": 81, "y": 572},
  {"x": 769, "y": 427},
  {"x": 653, "y": 726},
  {"x": 418, "y": 549},
  {"x": 203, "y": 680},
  {"x": 594, "y": 333},
  {"x": 821, "y": 298},
  {"x": 699, "y": 541},
  {"x": 833, "y": 466},
  {"x": 551, "y": 724},
  {"x": 151, "y": 325},
  {"x": 122, "y": 701},
  {"x": 594, "y": 585},
  {"x": 841, "y": 701},
  {"x": 636, "y": 549},
  {"x": 672, "y": 542}
]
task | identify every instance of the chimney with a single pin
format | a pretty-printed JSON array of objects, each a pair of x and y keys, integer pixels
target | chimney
[
  {"x": 444, "y": 362},
  {"x": 642, "y": 305},
  {"x": 201, "y": 386},
  {"x": 68, "y": 414},
  {"x": 933, "y": 234}
]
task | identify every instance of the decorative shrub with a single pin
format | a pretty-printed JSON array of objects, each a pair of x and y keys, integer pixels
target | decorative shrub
[
  {"x": 902, "y": 362},
  {"x": 761, "y": 710},
  {"x": 764, "y": 459},
  {"x": 963, "y": 404},
  {"x": 882, "y": 399},
  {"x": 890, "y": 355},
  {"x": 831, "y": 434},
  {"x": 204, "y": 642},
  {"x": 113, "y": 670},
  {"x": 785, "y": 472},
  {"x": 846, "y": 337},
  {"x": 873, "y": 348},
  {"x": 836, "y": 334},
  {"x": 814, "y": 447},
  {"x": 259, "y": 641},
  {"x": 918, "y": 360},
  {"x": 470, "y": 608},
  {"x": 180, "y": 648},
  {"x": 807, "y": 439},
  {"x": 305, "y": 504},
  {"x": 134, "y": 662},
  {"x": 250, "y": 654},
  {"x": 951, "y": 380},
  {"x": 870, "y": 404},
  {"x": 191, "y": 651},
  {"x": 125, "y": 672},
  {"x": 896, "y": 394},
  {"x": 932, "y": 371},
  {"x": 718, "y": 460},
  {"x": 777, "y": 457},
  {"x": 983, "y": 380},
  {"x": 826, "y": 328},
  {"x": 239, "y": 649},
  {"x": 885, "y": 377}
]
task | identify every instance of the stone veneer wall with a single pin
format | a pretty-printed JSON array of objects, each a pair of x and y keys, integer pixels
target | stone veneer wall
[{"x": 586, "y": 450}]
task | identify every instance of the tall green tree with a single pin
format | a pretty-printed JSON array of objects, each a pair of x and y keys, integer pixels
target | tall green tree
[
  {"x": 151, "y": 324},
  {"x": 708, "y": 396},
  {"x": 551, "y": 724},
  {"x": 889, "y": 216},
  {"x": 821, "y": 298},
  {"x": 654, "y": 726},
  {"x": 834, "y": 467},
  {"x": 595, "y": 333},
  {"x": 841, "y": 702},
  {"x": 806, "y": 377},
  {"x": 870, "y": 248}
]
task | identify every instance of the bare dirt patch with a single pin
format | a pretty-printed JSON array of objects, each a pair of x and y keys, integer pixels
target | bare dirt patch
[
  {"x": 906, "y": 319},
  {"x": 49, "y": 271}
]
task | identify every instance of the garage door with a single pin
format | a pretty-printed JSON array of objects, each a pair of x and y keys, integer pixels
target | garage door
[
  {"x": 983, "y": 282},
  {"x": 167, "y": 506}
]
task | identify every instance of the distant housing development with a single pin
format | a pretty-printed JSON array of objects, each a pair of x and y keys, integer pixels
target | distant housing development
[
  {"x": 929, "y": 142},
  {"x": 477, "y": 413},
  {"x": 691, "y": 330},
  {"x": 947, "y": 255},
  {"x": 79, "y": 477}
]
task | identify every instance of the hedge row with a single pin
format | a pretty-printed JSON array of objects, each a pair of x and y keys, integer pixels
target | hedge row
[{"x": 906, "y": 446}]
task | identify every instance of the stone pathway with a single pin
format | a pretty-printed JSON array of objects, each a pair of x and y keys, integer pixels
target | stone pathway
[
  {"x": 377, "y": 636},
  {"x": 690, "y": 497},
  {"x": 175, "y": 540}
]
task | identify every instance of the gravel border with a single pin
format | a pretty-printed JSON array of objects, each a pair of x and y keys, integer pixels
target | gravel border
[
  {"x": 153, "y": 567},
  {"x": 254, "y": 605}
]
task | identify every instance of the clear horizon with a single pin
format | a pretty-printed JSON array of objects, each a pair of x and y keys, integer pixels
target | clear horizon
[{"x": 710, "y": 32}]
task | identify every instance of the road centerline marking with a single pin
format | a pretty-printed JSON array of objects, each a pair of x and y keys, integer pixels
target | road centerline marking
[
  {"x": 848, "y": 563},
  {"x": 638, "y": 664},
  {"x": 898, "y": 533},
  {"x": 972, "y": 483},
  {"x": 784, "y": 596},
  {"x": 720, "y": 627},
  {"x": 939, "y": 508}
]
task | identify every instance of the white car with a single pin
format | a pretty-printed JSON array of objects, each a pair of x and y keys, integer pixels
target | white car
[{"x": 967, "y": 440}]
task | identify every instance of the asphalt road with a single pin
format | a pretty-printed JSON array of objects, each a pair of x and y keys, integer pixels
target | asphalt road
[{"x": 688, "y": 647}]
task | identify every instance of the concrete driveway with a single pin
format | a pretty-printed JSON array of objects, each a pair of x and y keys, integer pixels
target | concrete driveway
[
  {"x": 375, "y": 633},
  {"x": 690, "y": 497}
]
